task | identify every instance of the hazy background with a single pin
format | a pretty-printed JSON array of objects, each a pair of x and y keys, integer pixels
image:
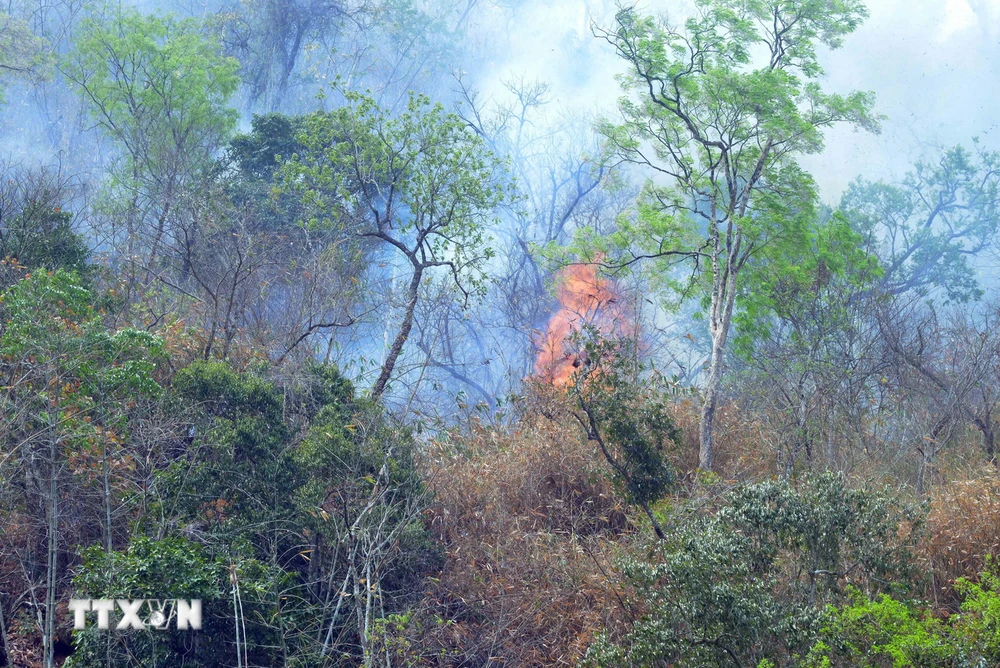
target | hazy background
[{"x": 933, "y": 66}]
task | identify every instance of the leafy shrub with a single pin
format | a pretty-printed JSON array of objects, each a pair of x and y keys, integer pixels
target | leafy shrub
[
  {"x": 887, "y": 632},
  {"x": 749, "y": 582},
  {"x": 625, "y": 410},
  {"x": 154, "y": 569},
  {"x": 312, "y": 496}
]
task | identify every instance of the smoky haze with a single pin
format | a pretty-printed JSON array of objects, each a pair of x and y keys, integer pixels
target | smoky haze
[{"x": 932, "y": 66}]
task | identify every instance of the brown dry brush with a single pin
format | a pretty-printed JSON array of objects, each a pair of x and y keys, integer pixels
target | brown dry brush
[
  {"x": 963, "y": 529},
  {"x": 528, "y": 519}
]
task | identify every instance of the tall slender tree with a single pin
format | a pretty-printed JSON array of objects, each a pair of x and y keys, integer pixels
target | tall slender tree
[
  {"x": 721, "y": 109},
  {"x": 159, "y": 88}
]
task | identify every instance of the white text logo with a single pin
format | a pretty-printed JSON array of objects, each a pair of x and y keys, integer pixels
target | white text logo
[{"x": 139, "y": 614}]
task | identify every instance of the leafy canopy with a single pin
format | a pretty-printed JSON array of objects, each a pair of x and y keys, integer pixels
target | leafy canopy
[
  {"x": 420, "y": 181},
  {"x": 158, "y": 86},
  {"x": 926, "y": 229},
  {"x": 720, "y": 109}
]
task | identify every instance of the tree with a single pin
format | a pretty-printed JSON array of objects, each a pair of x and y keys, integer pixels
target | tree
[
  {"x": 169, "y": 568},
  {"x": 801, "y": 312},
  {"x": 307, "y": 282},
  {"x": 877, "y": 631},
  {"x": 623, "y": 409},
  {"x": 310, "y": 495},
  {"x": 269, "y": 37},
  {"x": 926, "y": 229},
  {"x": 35, "y": 230},
  {"x": 946, "y": 365},
  {"x": 421, "y": 184},
  {"x": 720, "y": 110},
  {"x": 23, "y": 55},
  {"x": 69, "y": 387},
  {"x": 159, "y": 87}
]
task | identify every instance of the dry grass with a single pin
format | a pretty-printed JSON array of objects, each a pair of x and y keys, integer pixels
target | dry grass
[
  {"x": 528, "y": 518},
  {"x": 963, "y": 527}
]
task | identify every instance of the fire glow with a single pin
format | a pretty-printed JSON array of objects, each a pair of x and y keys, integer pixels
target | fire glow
[{"x": 585, "y": 299}]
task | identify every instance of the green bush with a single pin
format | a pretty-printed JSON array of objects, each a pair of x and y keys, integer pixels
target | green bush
[
  {"x": 886, "y": 632},
  {"x": 749, "y": 582},
  {"x": 153, "y": 569}
]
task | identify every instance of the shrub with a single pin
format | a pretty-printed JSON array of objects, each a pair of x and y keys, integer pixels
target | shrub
[
  {"x": 748, "y": 583},
  {"x": 888, "y": 632}
]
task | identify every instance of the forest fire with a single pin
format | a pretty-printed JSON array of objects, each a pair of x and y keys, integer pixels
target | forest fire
[{"x": 585, "y": 299}]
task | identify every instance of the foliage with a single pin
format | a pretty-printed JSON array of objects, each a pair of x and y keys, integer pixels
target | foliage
[
  {"x": 321, "y": 524},
  {"x": 627, "y": 414},
  {"x": 888, "y": 632},
  {"x": 73, "y": 339},
  {"x": 157, "y": 85},
  {"x": 419, "y": 179},
  {"x": 722, "y": 108},
  {"x": 71, "y": 389},
  {"x": 168, "y": 568},
  {"x": 419, "y": 183},
  {"x": 45, "y": 239},
  {"x": 159, "y": 88},
  {"x": 22, "y": 53},
  {"x": 809, "y": 286},
  {"x": 749, "y": 583},
  {"x": 244, "y": 471},
  {"x": 926, "y": 230},
  {"x": 179, "y": 413},
  {"x": 272, "y": 139}
]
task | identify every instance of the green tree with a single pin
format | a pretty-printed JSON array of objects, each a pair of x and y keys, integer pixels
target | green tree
[
  {"x": 36, "y": 232},
  {"x": 421, "y": 184},
  {"x": 926, "y": 229},
  {"x": 23, "y": 55},
  {"x": 800, "y": 314},
  {"x": 884, "y": 631},
  {"x": 624, "y": 409},
  {"x": 310, "y": 496},
  {"x": 169, "y": 568},
  {"x": 69, "y": 388},
  {"x": 159, "y": 88},
  {"x": 720, "y": 109}
]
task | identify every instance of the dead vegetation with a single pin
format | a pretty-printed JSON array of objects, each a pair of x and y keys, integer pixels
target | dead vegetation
[{"x": 527, "y": 517}]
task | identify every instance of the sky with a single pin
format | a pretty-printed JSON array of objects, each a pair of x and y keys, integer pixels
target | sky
[{"x": 934, "y": 66}]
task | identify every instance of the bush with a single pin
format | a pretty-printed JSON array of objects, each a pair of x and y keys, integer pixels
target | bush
[
  {"x": 311, "y": 492},
  {"x": 887, "y": 632},
  {"x": 154, "y": 569},
  {"x": 749, "y": 582}
]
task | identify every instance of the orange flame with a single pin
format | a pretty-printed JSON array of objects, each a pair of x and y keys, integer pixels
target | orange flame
[{"x": 585, "y": 299}]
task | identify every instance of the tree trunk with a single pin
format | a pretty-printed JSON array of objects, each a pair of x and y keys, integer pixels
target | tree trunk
[
  {"x": 401, "y": 336},
  {"x": 52, "y": 565},
  {"x": 706, "y": 452},
  {"x": 985, "y": 424},
  {"x": 720, "y": 318}
]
